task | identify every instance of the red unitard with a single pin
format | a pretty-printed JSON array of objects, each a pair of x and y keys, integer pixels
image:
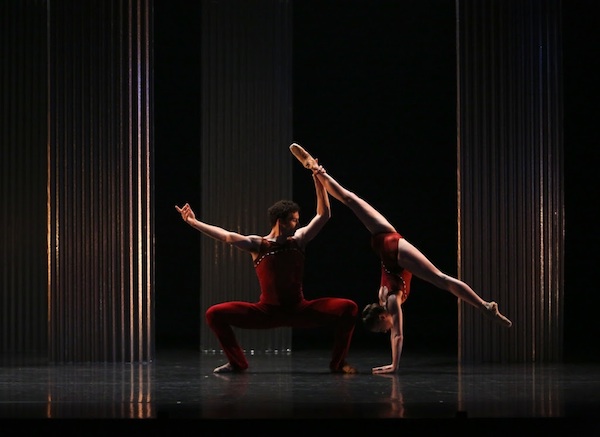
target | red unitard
[
  {"x": 280, "y": 269},
  {"x": 395, "y": 278}
]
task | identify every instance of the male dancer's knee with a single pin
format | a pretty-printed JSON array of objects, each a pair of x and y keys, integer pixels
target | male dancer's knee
[
  {"x": 350, "y": 310},
  {"x": 213, "y": 316}
]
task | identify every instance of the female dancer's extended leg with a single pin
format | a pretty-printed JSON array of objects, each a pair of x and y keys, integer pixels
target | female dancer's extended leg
[{"x": 409, "y": 257}]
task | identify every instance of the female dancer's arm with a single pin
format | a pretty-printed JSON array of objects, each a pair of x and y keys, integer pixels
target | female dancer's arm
[{"x": 396, "y": 336}]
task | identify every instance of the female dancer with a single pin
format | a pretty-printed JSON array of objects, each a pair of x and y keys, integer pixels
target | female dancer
[{"x": 399, "y": 261}]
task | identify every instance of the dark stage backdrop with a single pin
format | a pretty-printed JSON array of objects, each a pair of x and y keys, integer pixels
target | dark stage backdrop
[
  {"x": 375, "y": 101},
  {"x": 581, "y": 41}
]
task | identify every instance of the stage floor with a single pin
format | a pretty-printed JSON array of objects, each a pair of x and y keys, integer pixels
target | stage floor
[{"x": 179, "y": 389}]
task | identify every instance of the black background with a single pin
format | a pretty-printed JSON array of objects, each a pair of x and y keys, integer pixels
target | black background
[{"x": 375, "y": 101}]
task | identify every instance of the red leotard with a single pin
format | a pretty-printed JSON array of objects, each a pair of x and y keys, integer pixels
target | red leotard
[
  {"x": 395, "y": 278},
  {"x": 280, "y": 269}
]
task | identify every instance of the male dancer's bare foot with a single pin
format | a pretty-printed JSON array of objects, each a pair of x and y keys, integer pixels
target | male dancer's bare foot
[
  {"x": 346, "y": 369},
  {"x": 225, "y": 368},
  {"x": 491, "y": 312},
  {"x": 304, "y": 157}
]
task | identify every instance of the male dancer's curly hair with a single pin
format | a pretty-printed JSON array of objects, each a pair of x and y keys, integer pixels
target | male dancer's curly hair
[{"x": 281, "y": 209}]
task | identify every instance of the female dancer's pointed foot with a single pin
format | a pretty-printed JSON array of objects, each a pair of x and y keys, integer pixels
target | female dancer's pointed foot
[
  {"x": 491, "y": 311},
  {"x": 304, "y": 157}
]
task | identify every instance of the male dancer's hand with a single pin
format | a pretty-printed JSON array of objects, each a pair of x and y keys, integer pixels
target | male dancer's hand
[{"x": 186, "y": 212}]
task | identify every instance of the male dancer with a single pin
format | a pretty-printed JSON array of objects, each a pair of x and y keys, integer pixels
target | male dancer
[{"x": 278, "y": 259}]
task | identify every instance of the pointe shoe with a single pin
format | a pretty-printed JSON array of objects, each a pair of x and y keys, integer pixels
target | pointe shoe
[
  {"x": 303, "y": 156},
  {"x": 491, "y": 311}
]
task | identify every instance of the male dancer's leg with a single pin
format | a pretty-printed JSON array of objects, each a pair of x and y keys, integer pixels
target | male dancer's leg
[
  {"x": 221, "y": 317},
  {"x": 339, "y": 313}
]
